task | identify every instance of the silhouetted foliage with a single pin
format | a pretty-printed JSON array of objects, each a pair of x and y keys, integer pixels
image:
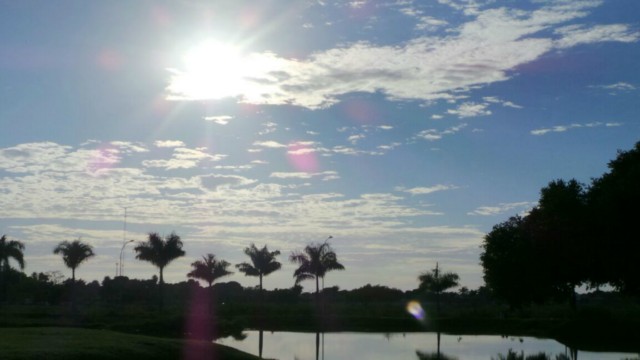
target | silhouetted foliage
[
  {"x": 209, "y": 269},
  {"x": 74, "y": 253},
  {"x": 263, "y": 262},
  {"x": 572, "y": 237},
  {"x": 160, "y": 252},
  {"x": 9, "y": 249},
  {"x": 613, "y": 203},
  {"x": 436, "y": 282},
  {"x": 314, "y": 263}
]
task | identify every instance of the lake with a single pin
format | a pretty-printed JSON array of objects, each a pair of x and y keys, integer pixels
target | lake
[{"x": 379, "y": 346}]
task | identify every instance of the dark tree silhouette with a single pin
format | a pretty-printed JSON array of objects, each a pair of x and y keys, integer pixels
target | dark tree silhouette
[
  {"x": 436, "y": 282},
  {"x": 9, "y": 249},
  {"x": 160, "y": 252},
  {"x": 613, "y": 205},
  {"x": 263, "y": 262},
  {"x": 209, "y": 269},
  {"x": 74, "y": 253},
  {"x": 314, "y": 263},
  {"x": 558, "y": 229}
]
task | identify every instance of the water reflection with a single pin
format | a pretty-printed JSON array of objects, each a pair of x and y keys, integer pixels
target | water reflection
[
  {"x": 435, "y": 355},
  {"x": 379, "y": 346}
]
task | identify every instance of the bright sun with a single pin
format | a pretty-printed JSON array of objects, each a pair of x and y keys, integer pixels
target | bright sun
[{"x": 212, "y": 70}]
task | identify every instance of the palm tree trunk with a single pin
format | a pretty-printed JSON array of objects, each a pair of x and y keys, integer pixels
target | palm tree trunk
[
  {"x": 161, "y": 288},
  {"x": 261, "y": 309},
  {"x": 73, "y": 289}
]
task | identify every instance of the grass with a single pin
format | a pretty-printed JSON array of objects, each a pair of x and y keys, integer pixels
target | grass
[{"x": 54, "y": 343}]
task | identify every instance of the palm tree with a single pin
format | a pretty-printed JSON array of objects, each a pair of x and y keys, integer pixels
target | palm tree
[
  {"x": 160, "y": 253},
  {"x": 74, "y": 253},
  {"x": 11, "y": 249},
  {"x": 209, "y": 269},
  {"x": 263, "y": 262},
  {"x": 315, "y": 262},
  {"x": 436, "y": 282}
]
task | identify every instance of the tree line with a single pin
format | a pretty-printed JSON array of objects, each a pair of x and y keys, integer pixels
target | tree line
[
  {"x": 314, "y": 261},
  {"x": 577, "y": 235}
]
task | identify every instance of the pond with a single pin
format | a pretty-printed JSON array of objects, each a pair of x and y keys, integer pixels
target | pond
[{"x": 416, "y": 346}]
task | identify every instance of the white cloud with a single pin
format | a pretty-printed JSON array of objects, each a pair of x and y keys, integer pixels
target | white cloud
[
  {"x": 563, "y": 128},
  {"x": 353, "y": 139},
  {"x": 470, "y": 109},
  {"x": 502, "y": 208},
  {"x": 433, "y": 134},
  {"x": 183, "y": 158},
  {"x": 579, "y": 34},
  {"x": 619, "y": 86},
  {"x": 269, "y": 144},
  {"x": 169, "y": 143},
  {"x": 219, "y": 119},
  {"x": 427, "y": 190},
  {"x": 482, "y": 51}
]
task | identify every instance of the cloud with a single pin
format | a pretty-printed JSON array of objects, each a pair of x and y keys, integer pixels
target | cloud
[
  {"x": 470, "y": 109},
  {"x": 328, "y": 175},
  {"x": 217, "y": 181},
  {"x": 433, "y": 134},
  {"x": 501, "y": 208},
  {"x": 183, "y": 158},
  {"x": 219, "y": 119},
  {"x": 616, "y": 87},
  {"x": 495, "y": 100},
  {"x": 426, "y": 190},
  {"x": 269, "y": 144},
  {"x": 483, "y": 50},
  {"x": 563, "y": 128},
  {"x": 353, "y": 139},
  {"x": 579, "y": 34},
  {"x": 169, "y": 143}
]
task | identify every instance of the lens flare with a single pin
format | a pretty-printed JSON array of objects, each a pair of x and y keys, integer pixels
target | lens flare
[{"x": 414, "y": 308}]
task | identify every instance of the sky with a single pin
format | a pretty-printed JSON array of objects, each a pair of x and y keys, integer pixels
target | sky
[{"x": 403, "y": 129}]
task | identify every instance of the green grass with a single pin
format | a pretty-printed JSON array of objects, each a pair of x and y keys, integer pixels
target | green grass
[{"x": 54, "y": 343}]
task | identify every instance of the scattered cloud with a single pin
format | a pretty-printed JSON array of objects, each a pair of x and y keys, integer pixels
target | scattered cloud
[
  {"x": 573, "y": 35},
  {"x": 502, "y": 208},
  {"x": 269, "y": 144},
  {"x": 483, "y": 50},
  {"x": 470, "y": 109},
  {"x": 563, "y": 128},
  {"x": 219, "y": 119},
  {"x": 426, "y": 190},
  {"x": 169, "y": 143},
  {"x": 433, "y": 134}
]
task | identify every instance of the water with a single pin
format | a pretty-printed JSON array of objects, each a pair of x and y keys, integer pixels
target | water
[{"x": 378, "y": 346}]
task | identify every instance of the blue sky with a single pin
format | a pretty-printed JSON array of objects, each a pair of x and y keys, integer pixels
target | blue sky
[{"x": 404, "y": 129}]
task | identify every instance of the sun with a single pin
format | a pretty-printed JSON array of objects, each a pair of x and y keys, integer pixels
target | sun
[{"x": 211, "y": 70}]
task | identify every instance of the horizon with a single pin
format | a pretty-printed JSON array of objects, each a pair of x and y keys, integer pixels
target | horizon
[{"x": 405, "y": 130}]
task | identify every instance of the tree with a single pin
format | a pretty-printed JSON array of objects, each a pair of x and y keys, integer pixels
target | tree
[
  {"x": 612, "y": 201},
  {"x": 209, "y": 269},
  {"x": 559, "y": 235},
  {"x": 436, "y": 282},
  {"x": 74, "y": 253},
  {"x": 263, "y": 262},
  {"x": 314, "y": 263},
  {"x": 160, "y": 252},
  {"x": 507, "y": 263},
  {"x": 9, "y": 249}
]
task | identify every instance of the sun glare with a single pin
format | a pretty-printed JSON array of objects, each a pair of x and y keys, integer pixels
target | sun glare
[{"x": 212, "y": 70}]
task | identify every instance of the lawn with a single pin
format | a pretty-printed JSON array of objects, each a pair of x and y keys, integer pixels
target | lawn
[{"x": 53, "y": 343}]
